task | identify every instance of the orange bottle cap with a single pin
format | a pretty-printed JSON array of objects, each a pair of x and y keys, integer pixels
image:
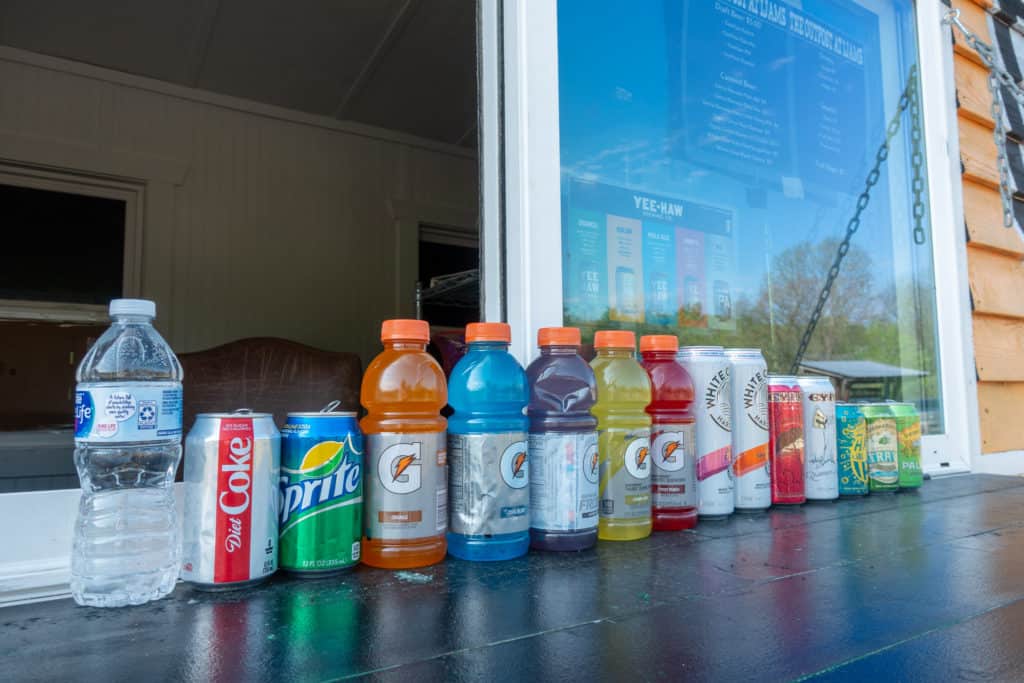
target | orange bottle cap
[
  {"x": 558, "y": 336},
  {"x": 614, "y": 339},
  {"x": 659, "y": 342},
  {"x": 488, "y": 332},
  {"x": 405, "y": 330}
]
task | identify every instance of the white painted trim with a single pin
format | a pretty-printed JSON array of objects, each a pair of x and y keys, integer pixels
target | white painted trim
[
  {"x": 15, "y": 55},
  {"x": 532, "y": 173},
  {"x": 492, "y": 171},
  {"x": 945, "y": 191},
  {"x": 48, "y": 311},
  {"x": 1007, "y": 462}
]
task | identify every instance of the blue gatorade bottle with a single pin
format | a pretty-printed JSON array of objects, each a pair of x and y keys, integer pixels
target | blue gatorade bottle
[{"x": 488, "y": 472}]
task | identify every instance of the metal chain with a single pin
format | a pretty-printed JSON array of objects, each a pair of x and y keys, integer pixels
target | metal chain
[
  {"x": 908, "y": 96},
  {"x": 996, "y": 77}
]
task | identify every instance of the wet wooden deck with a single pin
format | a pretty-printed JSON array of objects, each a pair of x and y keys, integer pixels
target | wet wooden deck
[{"x": 926, "y": 585}]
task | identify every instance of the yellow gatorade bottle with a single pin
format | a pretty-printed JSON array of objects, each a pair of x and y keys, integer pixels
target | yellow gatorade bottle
[{"x": 623, "y": 442}]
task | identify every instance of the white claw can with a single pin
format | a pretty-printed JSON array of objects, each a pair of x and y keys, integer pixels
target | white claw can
[
  {"x": 232, "y": 472},
  {"x": 821, "y": 474},
  {"x": 750, "y": 462},
  {"x": 712, "y": 397}
]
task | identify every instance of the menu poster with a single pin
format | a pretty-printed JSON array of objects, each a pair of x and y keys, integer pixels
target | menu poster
[
  {"x": 659, "y": 273},
  {"x": 584, "y": 269},
  {"x": 625, "y": 270},
  {"x": 643, "y": 258},
  {"x": 775, "y": 93}
]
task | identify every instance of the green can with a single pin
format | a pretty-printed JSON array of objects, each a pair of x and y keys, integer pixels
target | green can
[
  {"x": 321, "y": 506},
  {"x": 851, "y": 450},
  {"x": 883, "y": 463},
  {"x": 908, "y": 450}
]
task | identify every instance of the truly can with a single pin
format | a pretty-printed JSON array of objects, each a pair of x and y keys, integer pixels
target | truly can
[
  {"x": 710, "y": 371},
  {"x": 883, "y": 459},
  {"x": 232, "y": 465},
  {"x": 851, "y": 450},
  {"x": 786, "y": 439},
  {"x": 821, "y": 480},
  {"x": 751, "y": 468},
  {"x": 908, "y": 444},
  {"x": 321, "y": 492}
]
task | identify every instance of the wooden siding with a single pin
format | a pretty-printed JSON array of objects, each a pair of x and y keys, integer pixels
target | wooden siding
[
  {"x": 994, "y": 254},
  {"x": 256, "y": 223}
]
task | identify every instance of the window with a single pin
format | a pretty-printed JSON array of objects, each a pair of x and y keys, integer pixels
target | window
[{"x": 713, "y": 158}]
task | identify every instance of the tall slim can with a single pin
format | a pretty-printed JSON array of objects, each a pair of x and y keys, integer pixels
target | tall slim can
[
  {"x": 751, "y": 468},
  {"x": 821, "y": 481},
  {"x": 786, "y": 445},
  {"x": 883, "y": 463},
  {"x": 710, "y": 371},
  {"x": 851, "y": 450},
  {"x": 908, "y": 444}
]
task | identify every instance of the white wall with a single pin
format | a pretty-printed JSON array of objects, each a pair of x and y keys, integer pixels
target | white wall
[{"x": 258, "y": 220}]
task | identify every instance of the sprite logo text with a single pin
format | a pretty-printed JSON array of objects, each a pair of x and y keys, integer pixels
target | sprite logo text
[{"x": 327, "y": 478}]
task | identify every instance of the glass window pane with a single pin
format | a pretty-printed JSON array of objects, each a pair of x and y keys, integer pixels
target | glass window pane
[{"x": 716, "y": 154}]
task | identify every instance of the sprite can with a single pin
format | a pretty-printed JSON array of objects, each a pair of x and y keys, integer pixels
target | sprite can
[
  {"x": 908, "y": 449},
  {"x": 851, "y": 450},
  {"x": 883, "y": 463},
  {"x": 321, "y": 492}
]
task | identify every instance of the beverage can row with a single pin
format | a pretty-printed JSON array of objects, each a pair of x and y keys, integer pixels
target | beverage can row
[{"x": 879, "y": 447}]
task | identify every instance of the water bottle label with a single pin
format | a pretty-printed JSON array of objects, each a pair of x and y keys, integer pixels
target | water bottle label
[
  {"x": 406, "y": 486},
  {"x": 626, "y": 473},
  {"x": 672, "y": 480},
  {"x": 563, "y": 481},
  {"x": 129, "y": 412},
  {"x": 488, "y": 481}
]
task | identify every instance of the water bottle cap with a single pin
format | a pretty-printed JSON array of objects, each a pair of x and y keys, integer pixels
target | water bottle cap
[
  {"x": 558, "y": 336},
  {"x": 133, "y": 307},
  {"x": 659, "y": 342},
  {"x": 615, "y": 339},
  {"x": 488, "y": 332}
]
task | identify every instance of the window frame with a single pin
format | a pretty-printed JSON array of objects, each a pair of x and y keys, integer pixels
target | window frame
[{"x": 532, "y": 206}]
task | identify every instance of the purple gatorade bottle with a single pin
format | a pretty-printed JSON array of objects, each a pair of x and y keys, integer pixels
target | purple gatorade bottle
[{"x": 563, "y": 444}]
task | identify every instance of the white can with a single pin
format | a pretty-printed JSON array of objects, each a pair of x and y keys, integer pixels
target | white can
[
  {"x": 232, "y": 472},
  {"x": 712, "y": 395},
  {"x": 751, "y": 466},
  {"x": 821, "y": 474}
]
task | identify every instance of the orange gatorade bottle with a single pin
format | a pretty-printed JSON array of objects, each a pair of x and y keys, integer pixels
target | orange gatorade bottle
[{"x": 406, "y": 476}]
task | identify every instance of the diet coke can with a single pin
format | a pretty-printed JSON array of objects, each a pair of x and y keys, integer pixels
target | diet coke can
[
  {"x": 821, "y": 478},
  {"x": 750, "y": 467},
  {"x": 710, "y": 371},
  {"x": 786, "y": 439},
  {"x": 232, "y": 468}
]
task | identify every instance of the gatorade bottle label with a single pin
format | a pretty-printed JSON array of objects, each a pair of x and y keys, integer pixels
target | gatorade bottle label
[
  {"x": 127, "y": 412},
  {"x": 672, "y": 481},
  {"x": 626, "y": 488},
  {"x": 563, "y": 481},
  {"x": 488, "y": 481},
  {"x": 406, "y": 486}
]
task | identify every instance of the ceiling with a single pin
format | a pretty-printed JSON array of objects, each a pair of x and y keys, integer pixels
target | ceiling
[{"x": 406, "y": 65}]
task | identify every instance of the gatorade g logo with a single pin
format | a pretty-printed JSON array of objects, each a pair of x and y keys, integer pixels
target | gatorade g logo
[
  {"x": 669, "y": 452},
  {"x": 591, "y": 464},
  {"x": 637, "y": 462},
  {"x": 399, "y": 468},
  {"x": 514, "y": 467}
]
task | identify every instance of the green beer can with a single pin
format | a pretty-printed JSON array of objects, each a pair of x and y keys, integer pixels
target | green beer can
[
  {"x": 851, "y": 450},
  {"x": 908, "y": 449},
  {"x": 883, "y": 463},
  {"x": 321, "y": 502}
]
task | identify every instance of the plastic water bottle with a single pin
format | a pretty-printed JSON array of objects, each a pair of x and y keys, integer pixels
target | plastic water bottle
[{"x": 127, "y": 446}]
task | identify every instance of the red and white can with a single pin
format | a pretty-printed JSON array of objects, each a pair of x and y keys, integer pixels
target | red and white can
[
  {"x": 712, "y": 406},
  {"x": 786, "y": 439},
  {"x": 232, "y": 468}
]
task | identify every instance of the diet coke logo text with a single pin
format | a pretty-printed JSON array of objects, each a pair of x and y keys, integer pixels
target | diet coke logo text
[{"x": 234, "y": 495}]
